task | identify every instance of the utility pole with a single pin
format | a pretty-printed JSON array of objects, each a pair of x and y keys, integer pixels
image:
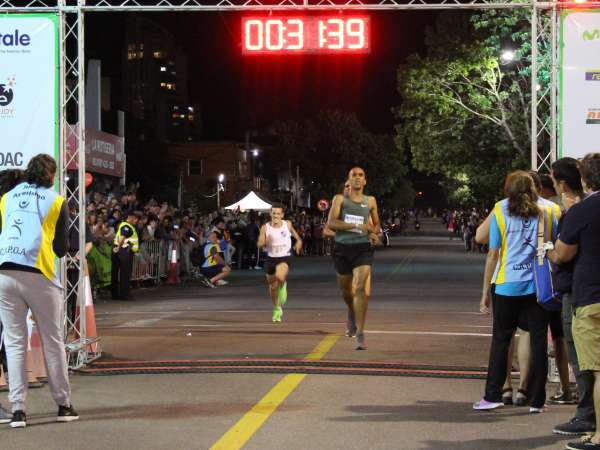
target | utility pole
[
  {"x": 297, "y": 184},
  {"x": 220, "y": 180},
  {"x": 289, "y": 184}
]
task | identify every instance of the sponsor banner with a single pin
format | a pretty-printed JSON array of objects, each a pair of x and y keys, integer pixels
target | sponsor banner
[
  {"x": 104, "y": 152},
  {"x": 28, "y": 88},
  {"x": 579, "y": 102}
]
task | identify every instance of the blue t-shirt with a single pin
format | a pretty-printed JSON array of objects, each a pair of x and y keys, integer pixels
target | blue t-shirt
[{"x": 510, "y": 289}]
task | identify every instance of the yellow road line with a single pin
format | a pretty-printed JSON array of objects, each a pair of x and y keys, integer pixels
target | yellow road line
[
  {"x": 322, "y": 347},
  {"x": 240, "y": 433}
]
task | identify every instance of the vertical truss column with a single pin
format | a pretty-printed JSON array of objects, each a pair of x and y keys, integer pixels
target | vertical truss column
[
  {"x": 534, "y": 83},
  {"x": 543, "y": 87},
  {"x": 72, "y": 175}
]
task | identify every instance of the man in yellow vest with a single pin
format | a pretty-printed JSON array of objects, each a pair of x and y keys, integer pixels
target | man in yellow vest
[
  {"x": 34, "y": 221},
  {"x": 125, "y": 246}
]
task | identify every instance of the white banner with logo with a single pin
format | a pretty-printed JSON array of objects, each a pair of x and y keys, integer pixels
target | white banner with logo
[
  {"x": 579, "y": 107},
  {"x": 29, "y": 94}
]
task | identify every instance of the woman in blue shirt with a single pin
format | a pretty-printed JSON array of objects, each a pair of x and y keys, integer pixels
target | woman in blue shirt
[{"x": 513, "y": 241}]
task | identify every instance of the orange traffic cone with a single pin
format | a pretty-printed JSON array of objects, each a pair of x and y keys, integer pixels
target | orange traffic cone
[
  {"x": 37, "y": 354},
  {"x": 90, "y": 317},
  {"x": 173, "y": 275}
]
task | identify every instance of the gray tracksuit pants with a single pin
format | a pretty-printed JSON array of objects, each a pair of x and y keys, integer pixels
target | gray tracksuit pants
[{"x": 18, "y": 292}]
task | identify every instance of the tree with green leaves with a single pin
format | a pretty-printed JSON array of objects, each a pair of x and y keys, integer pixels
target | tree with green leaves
[
  {"x": 465, "y": 109},
  {"x": 328, "y": 145}
]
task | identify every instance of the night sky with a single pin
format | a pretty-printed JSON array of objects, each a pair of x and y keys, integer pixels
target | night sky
[{"x": 239, "y": 93}]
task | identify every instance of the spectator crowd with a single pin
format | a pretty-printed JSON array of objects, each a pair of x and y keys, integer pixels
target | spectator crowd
[{"x": 542, "y": 271}]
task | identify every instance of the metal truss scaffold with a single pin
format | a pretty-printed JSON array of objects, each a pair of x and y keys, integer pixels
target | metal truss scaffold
[
  {"x": 544, "y": 68},
  {"x": 72, "y": 182},
  {"x": 72, "y": 115}
]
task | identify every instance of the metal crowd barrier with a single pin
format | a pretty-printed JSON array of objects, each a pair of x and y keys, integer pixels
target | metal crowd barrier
[{"x": 148, "y": 264}]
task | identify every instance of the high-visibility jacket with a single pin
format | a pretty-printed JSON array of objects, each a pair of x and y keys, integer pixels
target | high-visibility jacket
[
  {"x": 29, "y": 217},
  {"x": 131, "y": 241},
  {"x": 519, "y": 243},
  {"x": 209, "y": 256}
]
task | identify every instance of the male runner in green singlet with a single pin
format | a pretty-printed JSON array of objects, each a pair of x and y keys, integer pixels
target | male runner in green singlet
[{"x": 353, "y": 251}]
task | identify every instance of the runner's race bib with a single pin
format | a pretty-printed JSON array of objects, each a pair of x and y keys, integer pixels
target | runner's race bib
[
  {"x": 278, "y": 251},
  {"x": 355, "y": 220}
]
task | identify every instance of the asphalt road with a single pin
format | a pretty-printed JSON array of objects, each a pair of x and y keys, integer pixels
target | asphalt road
[{"x": 423, "y": 313}]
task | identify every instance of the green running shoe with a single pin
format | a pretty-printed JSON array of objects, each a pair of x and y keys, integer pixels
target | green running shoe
[
  {"x": 282, "y": 295},
  {"x": 277, "y": 313}
]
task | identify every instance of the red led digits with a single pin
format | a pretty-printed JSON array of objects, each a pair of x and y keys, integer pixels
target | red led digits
[
  {"x": 355, "y": 29},
  {"x": 309, "y": 34}
]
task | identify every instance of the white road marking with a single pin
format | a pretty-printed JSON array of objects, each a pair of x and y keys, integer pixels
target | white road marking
[
  {"x": 142, "y": 324},
  {"x": 237, "y": 311},
  {"x": 428, "y": 333},
  {"x": 146, "y": 323}
]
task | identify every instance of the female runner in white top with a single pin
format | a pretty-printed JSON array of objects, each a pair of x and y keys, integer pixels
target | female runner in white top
[{"x": 276, "y": 236}]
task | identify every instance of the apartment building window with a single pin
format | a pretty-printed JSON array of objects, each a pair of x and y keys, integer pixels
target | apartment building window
[{"x": 195, "y": 167}]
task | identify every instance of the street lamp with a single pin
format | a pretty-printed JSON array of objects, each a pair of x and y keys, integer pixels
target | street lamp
[
  {"x": 255, "y": 153},
  {"x": 220, "y": 180},
  {"x": 507, "y": 56}
]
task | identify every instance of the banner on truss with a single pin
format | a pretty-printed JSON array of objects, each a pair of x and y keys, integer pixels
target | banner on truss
[
  {"x": 29, "y": 90},
  {"x": 579, "y": 91}
]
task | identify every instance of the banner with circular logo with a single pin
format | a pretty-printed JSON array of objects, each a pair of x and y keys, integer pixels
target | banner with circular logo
[{"x": 29, "y": 96}]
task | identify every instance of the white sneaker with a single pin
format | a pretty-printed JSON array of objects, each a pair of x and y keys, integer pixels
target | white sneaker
[
  {"x": 483, "y": 405},
  {"x": 533, "y": 410},
  {"x": 221, "y": 282}
]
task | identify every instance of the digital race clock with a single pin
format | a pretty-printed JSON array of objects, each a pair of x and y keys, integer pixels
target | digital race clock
[{"x": 306, "y": 34}]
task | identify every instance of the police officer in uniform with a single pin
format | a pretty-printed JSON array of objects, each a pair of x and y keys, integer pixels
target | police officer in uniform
[
  {"x": 34, "y": 221},
  {"x": 125, "y": 246}
]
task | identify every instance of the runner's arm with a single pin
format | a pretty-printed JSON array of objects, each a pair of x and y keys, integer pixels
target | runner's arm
[
  {"x": 336, "y": 224},
  {"x": 375, "y": 226},
  {"x": 328, "y": 232}
]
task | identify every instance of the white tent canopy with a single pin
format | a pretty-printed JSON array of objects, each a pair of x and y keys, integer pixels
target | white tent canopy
[{"x": 250, "y": 202}]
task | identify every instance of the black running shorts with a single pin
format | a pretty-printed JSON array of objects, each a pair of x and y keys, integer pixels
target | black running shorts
[
  {"x": 347, "y": 257},
  {"x": 272, "y": 263},
  {"x": 212, "y": 271}
]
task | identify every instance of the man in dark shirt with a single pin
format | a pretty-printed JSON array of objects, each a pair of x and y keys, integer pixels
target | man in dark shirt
[
  {"x": 580, "y": 240},
  {"x": 567, "y": 183}
]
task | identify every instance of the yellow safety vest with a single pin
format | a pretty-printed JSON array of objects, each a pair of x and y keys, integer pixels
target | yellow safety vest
[
  {"x": 29, "y": 217},
  {"x": 132, "y": 240}
]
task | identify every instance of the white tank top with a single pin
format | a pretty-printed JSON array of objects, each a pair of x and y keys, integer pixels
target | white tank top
[{"x": 279, "y": 240}]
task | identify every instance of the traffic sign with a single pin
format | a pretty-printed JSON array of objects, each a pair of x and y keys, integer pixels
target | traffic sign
[{"x": 323, "y": 205}]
